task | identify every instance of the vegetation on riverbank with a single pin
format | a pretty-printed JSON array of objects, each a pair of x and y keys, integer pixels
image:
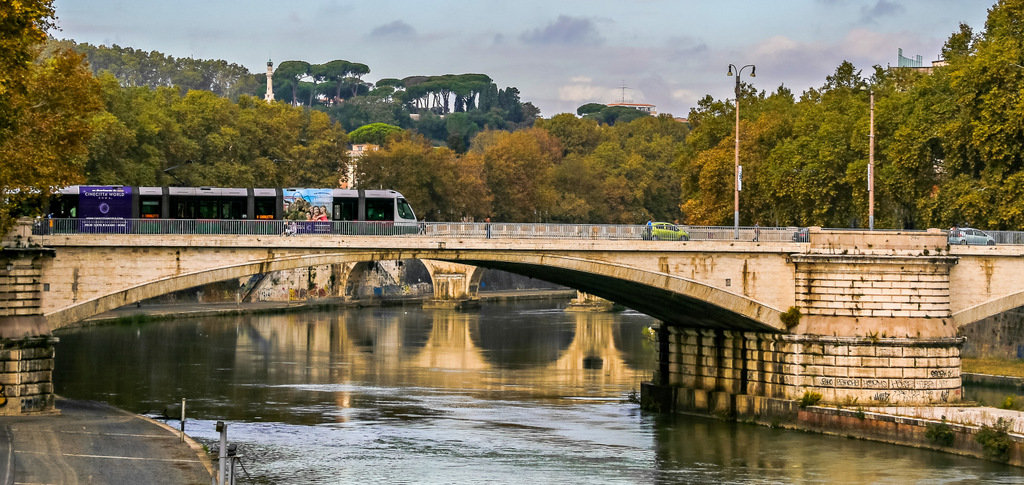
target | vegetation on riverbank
[{"x": 996, "y": 367}]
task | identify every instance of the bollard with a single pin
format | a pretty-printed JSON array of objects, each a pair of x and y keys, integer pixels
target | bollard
[
  {"x": 182, "y": 420},
  {"x": 222, "y": 453}
]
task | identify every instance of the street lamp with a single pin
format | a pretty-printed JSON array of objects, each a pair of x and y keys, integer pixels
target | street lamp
[
  {"x": 871, "y": 160},
  {"x": 871, "y": 163},
  {"x": 738, "y": 183}
]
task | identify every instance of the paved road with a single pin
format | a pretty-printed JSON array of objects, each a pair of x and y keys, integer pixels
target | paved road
[{"x": 93, "y": 443}]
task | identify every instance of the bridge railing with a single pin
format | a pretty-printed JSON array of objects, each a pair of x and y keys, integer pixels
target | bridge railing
[
  {"x": 493, "y": 230},
  {"x": 1007, "y": 237}
]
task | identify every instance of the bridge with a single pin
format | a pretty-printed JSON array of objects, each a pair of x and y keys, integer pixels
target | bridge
[{"x": 870, "y": 316}]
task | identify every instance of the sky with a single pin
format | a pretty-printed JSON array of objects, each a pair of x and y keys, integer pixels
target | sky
[{"x": 560, "y": 54}]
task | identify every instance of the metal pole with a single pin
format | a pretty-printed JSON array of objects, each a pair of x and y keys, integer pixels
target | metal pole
[
  {"x": 871, "y": 166},
  {"x": 182, "y": 420},
  {"x": 736, "y": 167},
  {"x": 738, "y": 176},
  {"x": 223, "y": 452}
]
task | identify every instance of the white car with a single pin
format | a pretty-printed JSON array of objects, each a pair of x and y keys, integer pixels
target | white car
[{"x": 967, "y": 235}]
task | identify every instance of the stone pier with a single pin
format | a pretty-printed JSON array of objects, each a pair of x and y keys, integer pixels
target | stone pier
[
  {"x": 871, "y": 324},
  {"x": 456, "y": 286},
  {"x": 26, "y": 343}
]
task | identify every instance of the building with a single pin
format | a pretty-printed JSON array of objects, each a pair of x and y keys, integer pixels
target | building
[
  {"x": 646, "y": 108},
  {"x": 348, "y": 180}
]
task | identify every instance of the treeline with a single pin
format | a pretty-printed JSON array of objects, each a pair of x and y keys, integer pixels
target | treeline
[
  {"x": 147, "y": 136},
  {"x": 949, "y": 150},
  {"x": 949, "y": 143},
  {"x": 336, "y": 88}
]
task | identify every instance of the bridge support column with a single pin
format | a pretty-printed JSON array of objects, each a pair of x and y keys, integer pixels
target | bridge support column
[
  {"x": 717, "y": 372},
  {"x": 585, "y": 302},
  {"x": 874, "y": 327},
  {"x": 455, "y": 285},
  {"x": 26, "y": 343}
]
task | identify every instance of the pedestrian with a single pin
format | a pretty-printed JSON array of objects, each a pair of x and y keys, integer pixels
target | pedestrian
[
  {"x": 487, "y": 226},
  {"x": 649, "y": 232},
  {"x": 757, "y": 231}
]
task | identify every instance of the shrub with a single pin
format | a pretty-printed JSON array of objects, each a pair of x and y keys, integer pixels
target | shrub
[
  {"x": 790, "y": 318},
  {"x": 809, "y": 398},
  {"x": 940, "y": 434},
  {"x": 995, "y": 440}
]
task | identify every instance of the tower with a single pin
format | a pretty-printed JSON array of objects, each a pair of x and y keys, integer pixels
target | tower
[{"x": 270, "y": 83}]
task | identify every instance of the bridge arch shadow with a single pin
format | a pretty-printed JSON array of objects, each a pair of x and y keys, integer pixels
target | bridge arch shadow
[{"x": 669, "y": 298}]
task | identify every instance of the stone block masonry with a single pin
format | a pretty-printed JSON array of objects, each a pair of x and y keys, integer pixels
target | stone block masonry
[
  {"x": 26, "y": 376},
  {"x": 842, "y": 369}
]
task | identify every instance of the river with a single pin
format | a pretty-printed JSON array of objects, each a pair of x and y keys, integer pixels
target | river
[{"x": 510, "y": 393}]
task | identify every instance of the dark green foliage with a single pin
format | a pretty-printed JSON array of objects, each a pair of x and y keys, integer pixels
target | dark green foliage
[
  {"x": 940, "y": 434},
  {"x": 995, "y": 440},
  {"x": 810, "y": 398},
  {"x": 791, "y": 317}
]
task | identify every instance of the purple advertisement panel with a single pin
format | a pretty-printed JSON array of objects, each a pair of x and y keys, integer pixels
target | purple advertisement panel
[{"x": 104, "y": 208}]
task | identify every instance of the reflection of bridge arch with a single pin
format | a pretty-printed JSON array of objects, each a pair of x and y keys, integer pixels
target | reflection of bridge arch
[
  {"x": 595, "y": 348},
  {"x": 373, "y": 342}
]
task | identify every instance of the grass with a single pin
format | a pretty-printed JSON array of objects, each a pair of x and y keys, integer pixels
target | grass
[{"x": 997, "y": 367}]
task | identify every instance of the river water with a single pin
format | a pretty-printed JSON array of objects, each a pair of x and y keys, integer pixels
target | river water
[{"x": 511, "y": 393}]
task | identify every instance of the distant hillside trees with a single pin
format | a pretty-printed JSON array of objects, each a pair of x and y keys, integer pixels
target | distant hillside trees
[{"x": 135, "y": 67}]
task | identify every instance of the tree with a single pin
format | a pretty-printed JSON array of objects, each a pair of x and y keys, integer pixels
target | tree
[
  {"x": 439, "y": 184},
  {"x": 376, "y": 133},
  {"x": 518, "y": 167},
  {"x": 46, "y": 146},
  {"x": 290, "y": 73}
]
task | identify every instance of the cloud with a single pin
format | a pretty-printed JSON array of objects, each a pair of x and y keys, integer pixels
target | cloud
[
  {"x": 584, "y": 93},
  {"x": 882, "y": 8},
  {"x": 565, "y": 31},
  {"x": 397, "y": 30},
  {"x": 581, "y": 79}
]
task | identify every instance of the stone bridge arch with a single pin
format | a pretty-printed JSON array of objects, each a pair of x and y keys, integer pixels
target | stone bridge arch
[
  {"x": 81, "y": 310},
  {"x": 672, "y": 299},
  {"x": 669, "y": 298},
  {"x": 987, "y": 309}
]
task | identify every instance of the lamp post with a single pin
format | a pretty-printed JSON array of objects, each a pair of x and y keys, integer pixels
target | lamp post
[
  {"x": 871, "y": 163},
  {"x": 738, "y": 183}
]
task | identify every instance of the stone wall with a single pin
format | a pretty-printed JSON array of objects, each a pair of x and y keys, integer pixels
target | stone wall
[
  {"x": 998, "y": 337},
  {"x": 841, "y": 369},
  {"x": 26, "y": 376}
]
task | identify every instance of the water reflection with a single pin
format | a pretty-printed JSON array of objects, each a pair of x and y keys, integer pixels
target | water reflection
[{"x": 509, "y": 394}]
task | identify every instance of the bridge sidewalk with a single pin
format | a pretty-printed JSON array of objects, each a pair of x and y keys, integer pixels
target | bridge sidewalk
[{"x": 91, "y": 442}]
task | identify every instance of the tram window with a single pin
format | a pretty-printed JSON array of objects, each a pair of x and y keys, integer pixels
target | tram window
[
  {"x": 150, "y": 208},
  {"x": 182, "y": 210},
  {"x": 264, "y": 207},
  {"x": 380, "y": 209},
  {"x": 207, "y": 209},
  {"x": 63, "y": 206},
  {"x": 231, "y": 209},
  {"x": 346, "y": 209},
  {"x": 405, "y": 210}
]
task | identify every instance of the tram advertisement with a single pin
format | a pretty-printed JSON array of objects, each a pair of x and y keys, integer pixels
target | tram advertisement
[
  {"x": 104, "y": 208},
  {"x": 311, "y": 205}
]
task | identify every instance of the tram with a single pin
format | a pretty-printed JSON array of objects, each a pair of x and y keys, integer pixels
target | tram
[{"x": 115, "y": 207}]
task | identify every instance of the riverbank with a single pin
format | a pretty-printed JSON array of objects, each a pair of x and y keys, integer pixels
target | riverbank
[
  {"x": 163, "y": 311},
  {"x": 977, "y": 431},
  {"x": 91, "y": 442}
]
